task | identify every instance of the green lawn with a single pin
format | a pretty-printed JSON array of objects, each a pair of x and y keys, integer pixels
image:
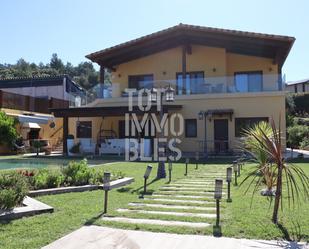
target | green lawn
[{"x": 76, "y": 209}]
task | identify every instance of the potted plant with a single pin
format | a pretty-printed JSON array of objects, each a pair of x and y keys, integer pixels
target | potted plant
[
  {"x": 75, "y": 149},
  {"x": 70, "y": 143}
]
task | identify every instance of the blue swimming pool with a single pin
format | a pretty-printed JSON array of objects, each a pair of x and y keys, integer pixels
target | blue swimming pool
[{"x": 29, "y": 163}]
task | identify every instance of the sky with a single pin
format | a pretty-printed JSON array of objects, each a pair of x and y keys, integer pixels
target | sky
[{"x": 34, "y": 29}]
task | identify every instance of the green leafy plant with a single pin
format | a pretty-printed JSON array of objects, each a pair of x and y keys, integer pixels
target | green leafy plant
[
  {"x": 37, "y": 144},
  {"x": 296, "y": 134},
  {"x": 78, "y": 173},
  {"x": 296, "y": 181},
  {"x": 8, "y": 133},
  {"x": 263, "y": 167},
  {"x": 13, "y": 189},
  {"x": 305, "y": 143},
  {"x": 48, "y": 178}
]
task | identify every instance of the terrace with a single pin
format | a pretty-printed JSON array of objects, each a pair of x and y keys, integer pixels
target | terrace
[{"x": 197, "y": 84}]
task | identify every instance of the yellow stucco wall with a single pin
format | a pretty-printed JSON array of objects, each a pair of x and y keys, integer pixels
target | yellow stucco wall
[{"x": 214, "y": 62}]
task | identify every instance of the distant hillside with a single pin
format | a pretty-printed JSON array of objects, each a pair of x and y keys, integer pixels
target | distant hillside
[{"x": 84, "y": 73}]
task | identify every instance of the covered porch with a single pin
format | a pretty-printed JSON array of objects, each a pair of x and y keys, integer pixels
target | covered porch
[{"x": 94, "y": 127}]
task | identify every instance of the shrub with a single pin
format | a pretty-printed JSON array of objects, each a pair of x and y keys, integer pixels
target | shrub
[
  {"x": 78, "y": 173},
  {"x": 46, "y": 178},
  {"x": 8, "y": 133},
  {"x": 305, "y": 143},
  {"x": 296, "y": 135},
  {"x": 13, "y": 189}
]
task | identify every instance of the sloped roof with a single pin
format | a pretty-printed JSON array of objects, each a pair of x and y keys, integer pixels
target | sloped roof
[
  {"x": 297, "y": 82},
  {"x": 250, "y": 43},
  {"x": 37, "y": 81}
]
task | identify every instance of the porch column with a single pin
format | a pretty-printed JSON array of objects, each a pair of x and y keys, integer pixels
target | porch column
[
  {"x": 102, "y": 76},
  {"x": 279, "y": 79},
  {"x": 65, "y": 134},
  {"x": 184, "y": 63}
]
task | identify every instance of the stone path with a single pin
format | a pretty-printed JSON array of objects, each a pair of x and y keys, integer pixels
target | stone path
[
  {"x": 94, "y": 237},
  {"x": 186, "y": 202}
]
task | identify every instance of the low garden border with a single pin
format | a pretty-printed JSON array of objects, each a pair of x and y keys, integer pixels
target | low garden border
[{"x": 31, "y": 207}]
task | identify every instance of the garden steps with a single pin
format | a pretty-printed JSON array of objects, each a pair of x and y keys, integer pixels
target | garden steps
[
  {"x": 183, "y": 214},
  {"x": 183, "y": 202},
  {"x": 156, "y": 222},
  {"x": 164, "y": 206}
]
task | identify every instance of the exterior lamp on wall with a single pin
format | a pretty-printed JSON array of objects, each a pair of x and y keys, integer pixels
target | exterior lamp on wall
[
  {"x": 170, "y": 94},
  {"x": 201, "y": 115},
  {"x": 229, "y": 172},
  {"x": 218, "y": 196},
  {"x": 154, "y": 95}
]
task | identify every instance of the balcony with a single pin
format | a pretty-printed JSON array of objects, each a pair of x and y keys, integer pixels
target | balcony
[{"x": 191, "y": 86}]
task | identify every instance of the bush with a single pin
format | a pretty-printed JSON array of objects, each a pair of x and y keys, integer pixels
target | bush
[
  {"x": 46, "y": 178},
  {"x": 13, "y": 189},
  {"x": 8, "y": 133},
  {"x": 305, "y": 143},
  {"x": 296, "y": 134},
  {"x": 78, "y": 173}
]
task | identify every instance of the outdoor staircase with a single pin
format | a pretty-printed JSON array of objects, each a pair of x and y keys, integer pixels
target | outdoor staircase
[{"x": 187, "y": 202}]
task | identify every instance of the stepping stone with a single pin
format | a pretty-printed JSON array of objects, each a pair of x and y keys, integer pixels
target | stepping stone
[
  {"x": 181, "y": 196},
  {"x": 136, "y": 204},
  {"x": 167, "y": 192},
  {"x": 179, "y": 201},
  {"x": 190, "y": 185},
  {"x": 157, "y": 222},
  {"x": 200, "y": 215},
  {"x": 183, "y": 188}
]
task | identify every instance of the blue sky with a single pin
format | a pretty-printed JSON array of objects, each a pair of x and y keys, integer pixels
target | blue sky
[{"x": 34, "y": 29}]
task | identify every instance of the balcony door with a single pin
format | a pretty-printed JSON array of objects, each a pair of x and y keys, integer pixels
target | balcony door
[
  {"x": 221, "y": 135},
  {"x": 141, "y": 81},
  {"x": 249, "y": 81},
  {"x": 191, "y": 84}
]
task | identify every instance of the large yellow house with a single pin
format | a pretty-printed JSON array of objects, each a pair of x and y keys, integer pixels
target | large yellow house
[{"x": 224, "y": 81}]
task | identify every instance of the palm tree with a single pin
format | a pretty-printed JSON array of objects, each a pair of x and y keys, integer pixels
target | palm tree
[
  {"x": 296, "y": 181},
  {"x": 263, "y": 167}
]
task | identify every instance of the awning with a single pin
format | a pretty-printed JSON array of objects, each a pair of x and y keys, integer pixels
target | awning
[
  {"x": 32, "y": 119},
  {"x": 31, "y": 125},
  {"x": 220, "y": 112},
  {"x": 39, "y": 119}
]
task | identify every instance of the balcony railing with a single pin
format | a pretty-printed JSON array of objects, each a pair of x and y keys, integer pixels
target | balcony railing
[
  {"x": 27, "y": 103},
  {"x": 190, "y": 86}
]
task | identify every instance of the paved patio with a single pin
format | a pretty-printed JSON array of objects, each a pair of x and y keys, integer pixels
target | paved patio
[{"x": 94, "y": 237}]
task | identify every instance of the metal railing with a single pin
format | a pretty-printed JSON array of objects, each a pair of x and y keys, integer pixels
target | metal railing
[
  {"x": 190, "y": 86},
  {"x": 28, "y": 103}
]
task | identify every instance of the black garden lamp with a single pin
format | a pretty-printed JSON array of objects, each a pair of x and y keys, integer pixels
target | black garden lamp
[
  {"x": 229, "y": 172},
  {"x": 218, "y": 196},
  {"x": 146, "y": 176},
  {"x": 187, "y": 162},
  {"x": 235, "y": 169},
  {"x": 197, "y": 157},
  {"x": 106, "y": 184},
  {"x": 170, "y": 168}
]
